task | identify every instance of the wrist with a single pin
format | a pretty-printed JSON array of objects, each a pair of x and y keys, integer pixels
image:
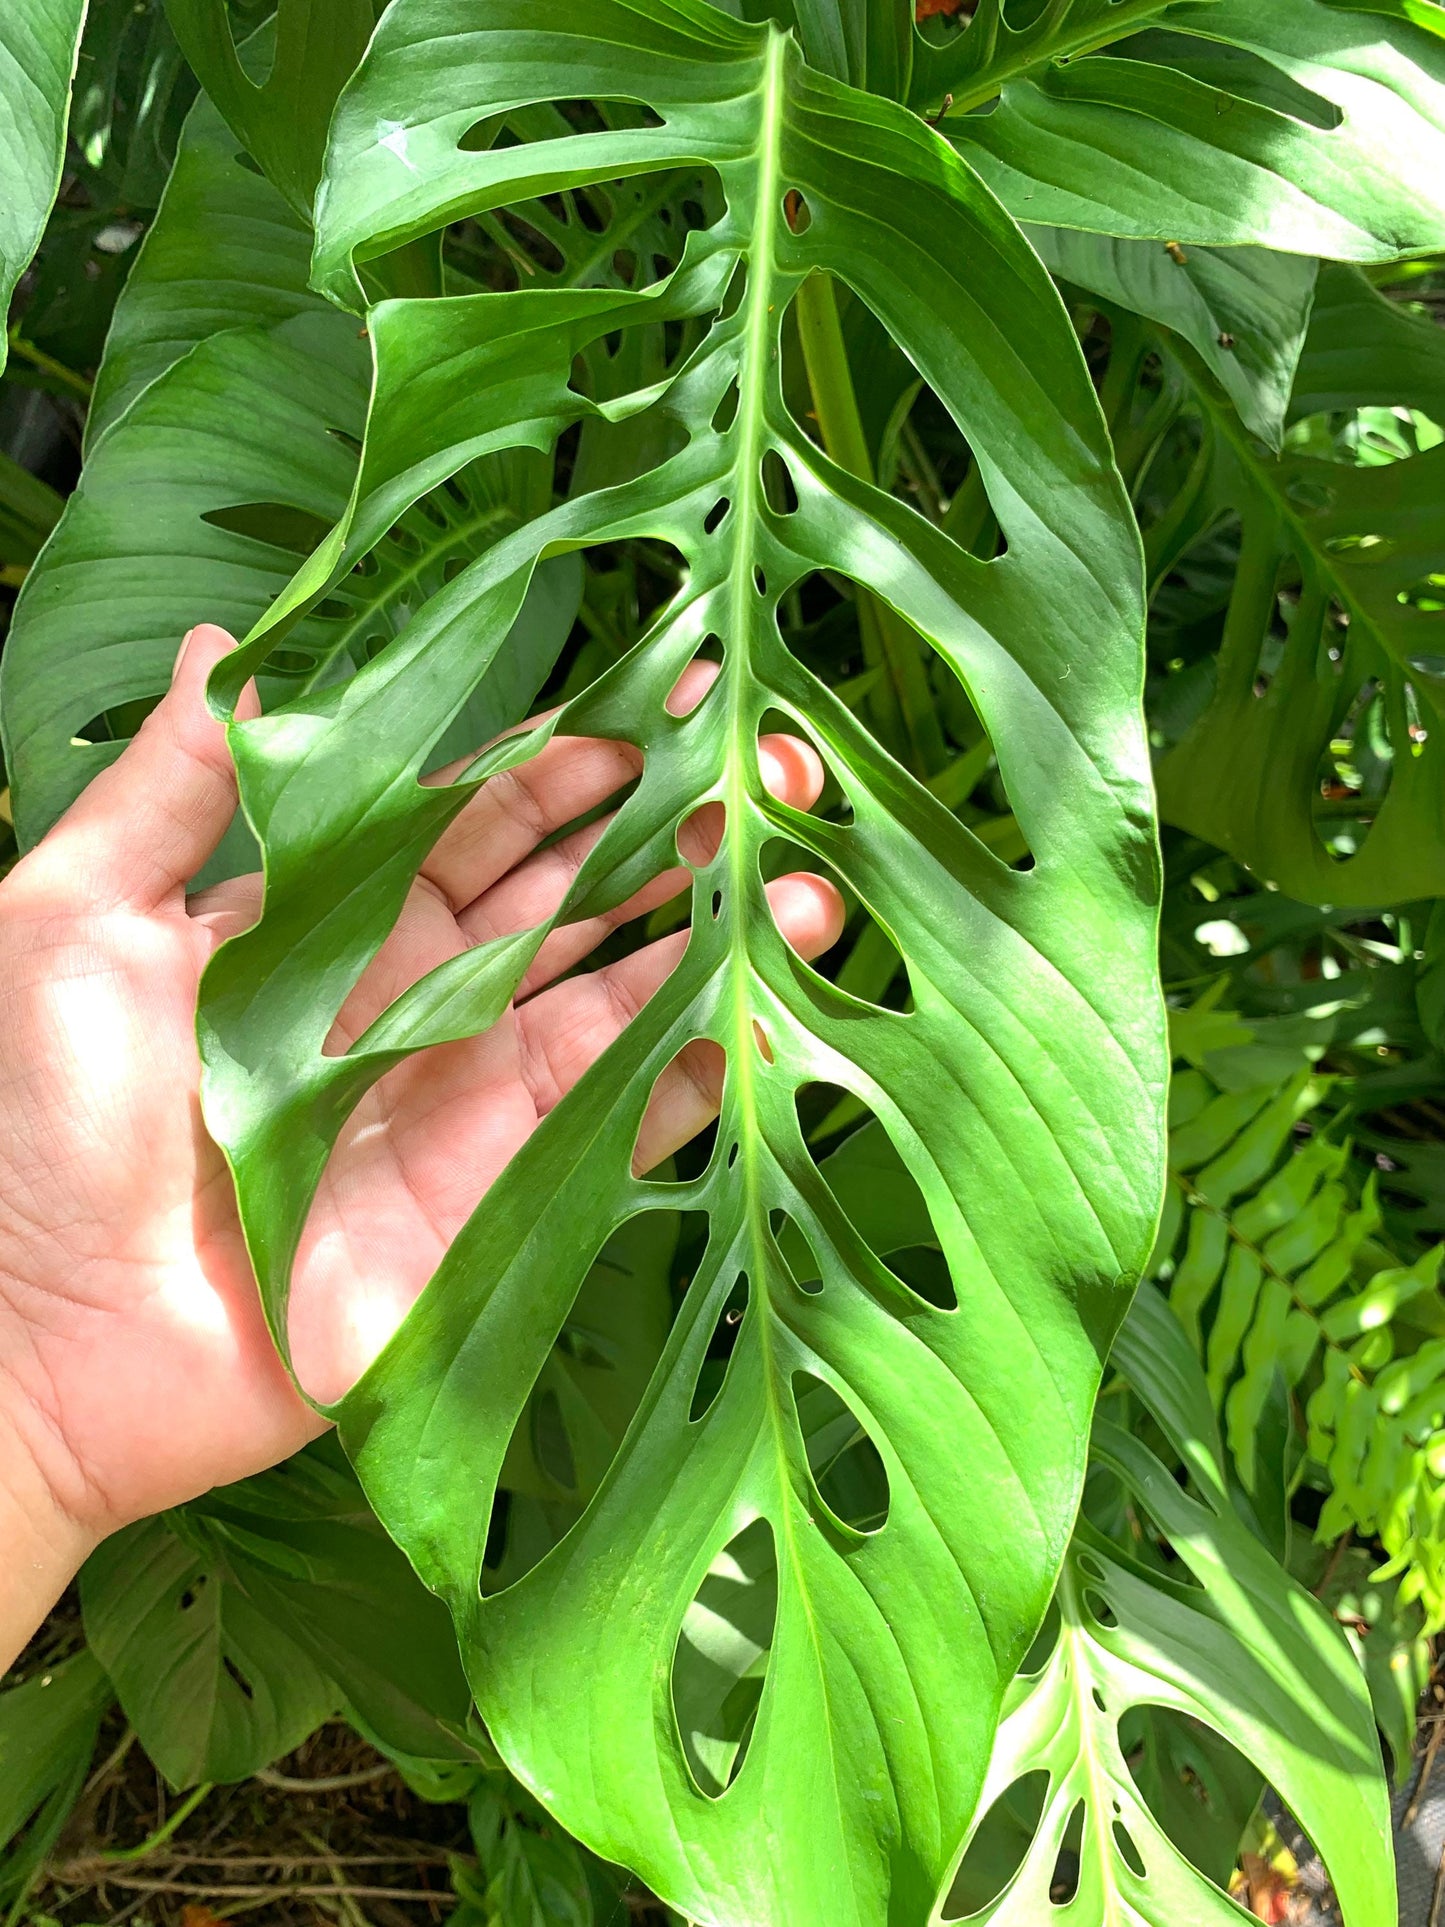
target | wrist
[{"x": 44, "y": 1543}]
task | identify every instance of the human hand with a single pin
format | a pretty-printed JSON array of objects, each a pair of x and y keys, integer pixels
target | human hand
[{"x": 136, "y": 1370}]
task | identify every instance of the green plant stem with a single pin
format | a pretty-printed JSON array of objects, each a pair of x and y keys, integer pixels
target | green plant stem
[
  {"x": 901, "y": 701},
  {"x": 123, "y": 1855},
  {"x": 48, "y": 365}
]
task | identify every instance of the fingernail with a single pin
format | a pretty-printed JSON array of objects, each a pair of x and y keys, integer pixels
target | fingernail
[{"x": 182, "y": 652}]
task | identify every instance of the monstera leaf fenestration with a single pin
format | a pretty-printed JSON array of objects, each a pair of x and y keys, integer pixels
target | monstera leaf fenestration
[
  {"x": 1021, "y": 1088},
  {"x": 39, "y": 42}
]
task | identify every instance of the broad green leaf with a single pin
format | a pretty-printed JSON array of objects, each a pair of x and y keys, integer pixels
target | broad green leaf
[
  {"x": 225, "y": 251},
  {"x": 304, "y": 1547},
  {"x": 1243, "y": 310},
  {"x": 214, "y": 1688},
  {"x": 47, "y": 1736},
  {"x": 1021, "y": 1089},
  {"x": 1356, "y": 550},
  {"x": 280, "y": 120},
  {"x": 1293, "y": 125},
  {"x": 39, "y": 41},
  {"x": 1243, "y": 1650},
  {"x": 29, "y": 510}
]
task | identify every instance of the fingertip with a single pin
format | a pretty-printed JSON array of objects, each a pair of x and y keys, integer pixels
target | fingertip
[
  {"x": 809, "y": 912},
  {"x": 692, "y": 685},
  {"x": 792, "y": 770},
  {"x": 201, "y": 649}
]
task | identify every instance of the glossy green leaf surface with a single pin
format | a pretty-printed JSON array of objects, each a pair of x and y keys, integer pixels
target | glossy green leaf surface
[
  {"x": 39, "y": 41},
  {"x": 1021, "y": 1089},
  {"x": 1244, "y": 311},
  {"x": 1294, "y": 125},
  {"x": 1242, "y": 1649},
  {"x": 215, "y": 1689},
  {"x": 225, "y": 251},
  {"x": 1348, "y": 554}
]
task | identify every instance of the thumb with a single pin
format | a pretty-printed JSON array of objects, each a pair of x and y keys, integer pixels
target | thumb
[{"x": 143, "y": 828}]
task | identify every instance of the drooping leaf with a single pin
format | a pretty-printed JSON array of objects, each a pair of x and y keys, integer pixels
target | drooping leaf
[
  {"x": 225, "y": 251},
  {"x": 1243, "y": 310},
  {"x": 48, "y": 1728},
  {"x": 1242, "y": 1650},
  {"x": 215, "y": 1689},
  {"x": 1020, "y": 1089},
  {"x": 306, "y": 1550},
  {"x": 39, "y": 41},
  {"x": 1294, "y": 125},
  {"x": 1343, "y": 556},
  {"x": 279, "y": 120}
]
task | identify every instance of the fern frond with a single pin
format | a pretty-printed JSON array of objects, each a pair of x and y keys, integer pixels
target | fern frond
[{"x": 1273, "y": 1264}]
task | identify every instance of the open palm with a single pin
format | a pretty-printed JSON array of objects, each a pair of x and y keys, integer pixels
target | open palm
[{"x": 129, "y": 1320}]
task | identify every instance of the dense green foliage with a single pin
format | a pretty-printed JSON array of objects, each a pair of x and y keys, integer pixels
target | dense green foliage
[{"x": 903, "y": 370}]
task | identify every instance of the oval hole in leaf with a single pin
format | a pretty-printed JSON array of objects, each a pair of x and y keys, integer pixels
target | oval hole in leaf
[
  {"x": 999, "y": 1847},
  {"x": 846, "y": 1465},
  {"x": 778, "y": 485},
  {"x": 280, "y": 524},
  {"x": 1199, "y": 1788},
  {"x": 726, "y": 412},
  {"x": 550, "y": 1441},
  {"x": 119, "y": 724},
  {"x": 720, "y": 1663},
  {"x": 1128, "y": 1852},
  {"x": 570, "y": 117},
  {"x": 1065, "y": 1882},
  {"x": 796, "y": 211},
  {"x": 1355, "y": 771}
]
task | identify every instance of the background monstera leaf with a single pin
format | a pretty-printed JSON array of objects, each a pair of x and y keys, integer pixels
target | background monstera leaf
[
  {"x": 1021, "y": 1087},
  {"x": 1300, "y": 125},
  {"x": 1219, "y": 1634},
  {"x": 1334, "y": 644}
]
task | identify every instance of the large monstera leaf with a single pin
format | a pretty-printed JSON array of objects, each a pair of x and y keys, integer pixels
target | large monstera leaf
[
  {"x": 1021, "y": 1088},
  {"x": 39, "y": 42},
  {"x": 1306, "y": 125}
]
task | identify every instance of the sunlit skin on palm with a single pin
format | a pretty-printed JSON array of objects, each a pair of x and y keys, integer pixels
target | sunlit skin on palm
[{"x": 135, "y": 1367}]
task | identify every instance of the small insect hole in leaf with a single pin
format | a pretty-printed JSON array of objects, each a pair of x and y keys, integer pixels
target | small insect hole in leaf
[
  {"x": 713, "y": 1370},
  {"x": 238, "y": 1678}
]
